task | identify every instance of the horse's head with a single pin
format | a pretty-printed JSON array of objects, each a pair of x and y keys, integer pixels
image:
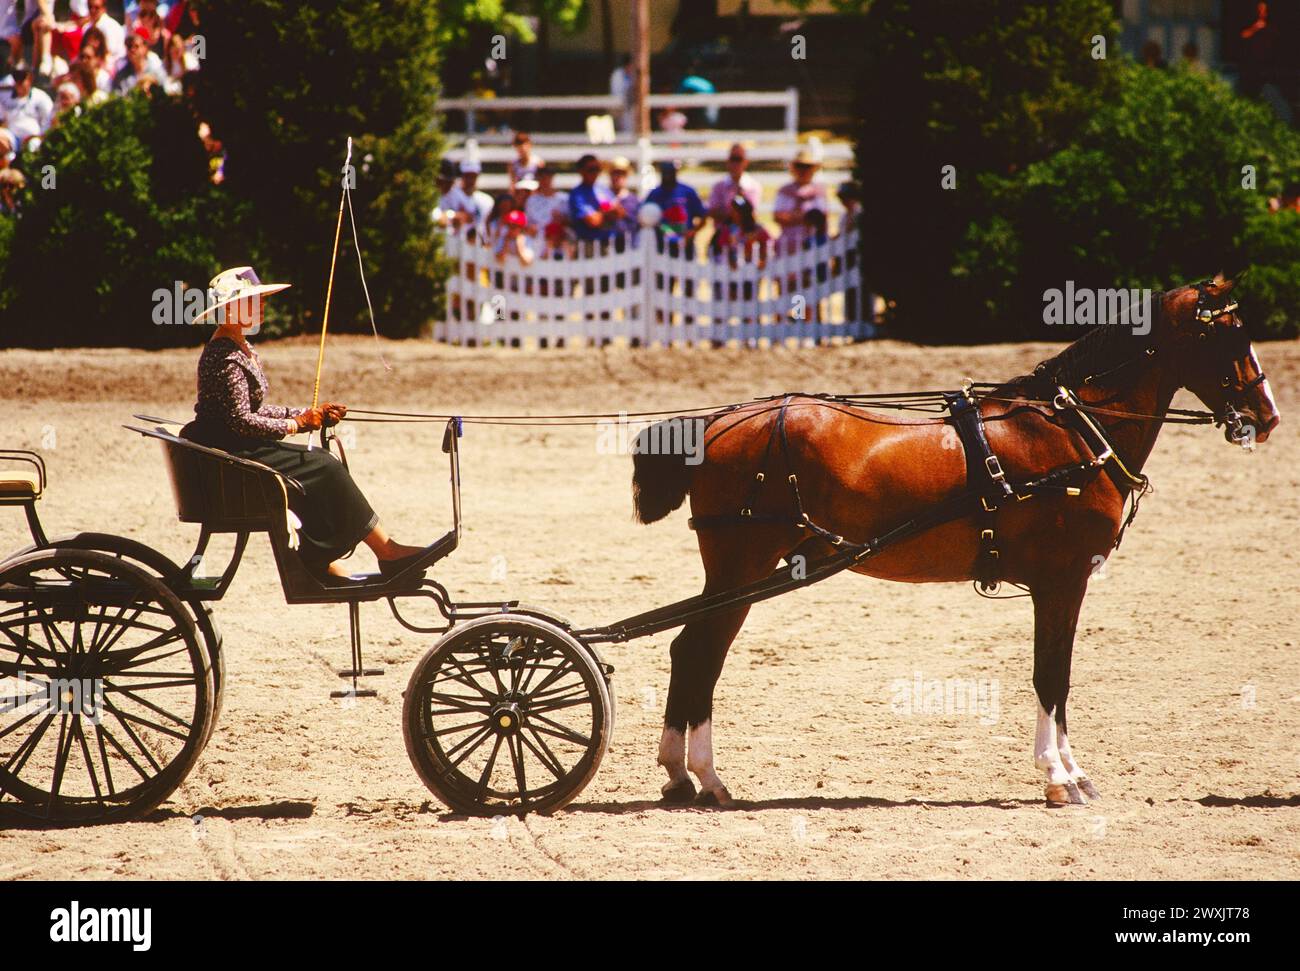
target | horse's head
[{"x": 1216, "y": 361}]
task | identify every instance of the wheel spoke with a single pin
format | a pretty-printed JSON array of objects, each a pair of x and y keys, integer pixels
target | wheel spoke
[
  {"x": 517, "y": 757},
  {"x": 553, "y": 764},
  {"x": 157, "y": 709},
  {"x": 473, "y": 741},
  {"x": 561, "y": 731},
  {"x": 487, "y": 769}
]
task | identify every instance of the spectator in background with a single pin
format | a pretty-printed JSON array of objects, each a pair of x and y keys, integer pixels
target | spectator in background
[
  {"x": 89, "y": 67},
  {"x": 683, "y": 212},
  {"x": 85, "y": 75},
  {"x": 1153, "y": 55},
  {"x": 144, "y": 19},
  {"x": 1289, "y": 201},
  {"x": 469, "y": 205},
  {"x": 796, "y": 199},
  {"x": 526, "y": 163},
  {"x": 547, "y": 212},
  {"x": 737, "y": 182},
  {"x": 1192, "y": 59},
  {"x": 25, "y": 110},
  {"x": 8, "y": 147},
  {"x": 67, "y": 101},
  {"x": 137, "y": 72},
  {"x": 1260, "y": 49},
  {"x": 672, "y": 121},
  {"x": 494, "y": 227},
  {"x": 12, "y": 183},
  {"x": 11, "y": 30},
  {"x": 622, "y": 87},
  {"x": 513, "y": 242},
  {"x": 445, "y": 181},
  {"x": 114, "y": 33},
  {"x": 626, "y": 226},
  {"x": 177, "y": 61},
  {"x": 694, "y": 82},
  {"x": 850, "y": 196},
  {"x": 183, "y": 18},
  {"x": 740, "y": 234},
  {"x": 593, "y": 213}
]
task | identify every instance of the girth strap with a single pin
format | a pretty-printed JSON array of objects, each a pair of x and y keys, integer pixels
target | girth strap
[{"x": 984, "y": 479}]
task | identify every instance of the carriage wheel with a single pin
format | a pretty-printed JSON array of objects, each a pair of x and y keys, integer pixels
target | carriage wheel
[
  {"x": 105, "y": 692},
  {"x": 507, "y": 714},
  {"x": 162, "y": 565}
]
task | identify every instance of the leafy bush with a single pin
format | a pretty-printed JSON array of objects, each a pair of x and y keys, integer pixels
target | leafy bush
[
  {"x": 1150, "y": 195},
  {"x": 984, "y": 86},
  {"x": 118, "y": 204},
  {"x": 284, "y": 84}
]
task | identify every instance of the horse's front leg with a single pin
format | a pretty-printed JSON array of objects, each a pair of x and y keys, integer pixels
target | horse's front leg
[{"x": 1056, "y": 615}]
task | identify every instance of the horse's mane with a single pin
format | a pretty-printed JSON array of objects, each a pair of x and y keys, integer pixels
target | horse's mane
[{"x": 1102, "y": 347}]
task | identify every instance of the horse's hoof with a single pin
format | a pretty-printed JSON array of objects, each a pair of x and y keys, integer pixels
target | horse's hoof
[
  {"x": 1064, "y": 794},
  {"x": 714, "y": 798},
  {"x": 1088, "y": 789},
  {"x": 679, "y": 793}
]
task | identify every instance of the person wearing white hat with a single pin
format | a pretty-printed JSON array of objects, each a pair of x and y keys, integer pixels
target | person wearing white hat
[
  {"x": 469, "y": 205},
  {"x": 232, "y": 414},
  {"x": 797, "y": 198}
]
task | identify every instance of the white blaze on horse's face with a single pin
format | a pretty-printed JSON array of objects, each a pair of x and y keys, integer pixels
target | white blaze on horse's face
[{"x": 1269, "y": 415}]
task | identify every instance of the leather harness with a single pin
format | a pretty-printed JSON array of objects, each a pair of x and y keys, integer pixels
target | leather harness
[{"x": 987, "y": 487}]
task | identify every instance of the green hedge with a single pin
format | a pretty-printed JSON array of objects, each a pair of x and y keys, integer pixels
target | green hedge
[
  {"x": 1150, "y": 195},
  {"x": 129, "y": 210}
]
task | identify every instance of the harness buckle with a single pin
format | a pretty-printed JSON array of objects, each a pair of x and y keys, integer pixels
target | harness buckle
[
  {"x": 986, "y": 534},
  {"x": 994, "y": 468},
  {"x": 985, "y": 503}
]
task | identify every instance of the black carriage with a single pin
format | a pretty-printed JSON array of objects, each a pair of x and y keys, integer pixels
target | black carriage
[{"x": 112, "y": 664}]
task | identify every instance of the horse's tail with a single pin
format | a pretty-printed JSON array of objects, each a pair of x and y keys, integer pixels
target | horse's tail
[{"x": 661, "y": 477}]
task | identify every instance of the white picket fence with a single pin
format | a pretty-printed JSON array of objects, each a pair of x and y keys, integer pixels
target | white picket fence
[{"x": 647, "y": 294}]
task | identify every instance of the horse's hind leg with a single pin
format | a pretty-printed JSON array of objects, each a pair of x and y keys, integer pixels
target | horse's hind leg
[
  {"x": 1056, "y": 614},
  {"x": 698, "y": 653}
]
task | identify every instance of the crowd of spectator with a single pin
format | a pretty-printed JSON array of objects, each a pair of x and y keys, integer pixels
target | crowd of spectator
[
  {"x": 57, "y": 68},
  {"x": 535, "y": 220}
]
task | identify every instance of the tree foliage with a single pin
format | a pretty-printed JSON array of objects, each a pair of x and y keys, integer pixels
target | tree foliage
[
  {"x": 1167, "y": 184},
  {"x": 118, "y": 205},
  {"x": 285, "y": 84},
  {"x": 963, "y": 88}
]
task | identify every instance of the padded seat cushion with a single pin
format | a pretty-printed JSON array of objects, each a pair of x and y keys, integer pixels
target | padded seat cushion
[{"x": 14, "y": 483}]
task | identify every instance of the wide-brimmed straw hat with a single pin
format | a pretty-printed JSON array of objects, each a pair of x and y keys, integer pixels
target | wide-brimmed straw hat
[
  {"x": 806, "y": 156},
  {"x": 237, "y": 283}
]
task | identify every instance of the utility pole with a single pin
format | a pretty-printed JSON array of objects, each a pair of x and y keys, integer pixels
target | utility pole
[{"x": 642, "y": 100}]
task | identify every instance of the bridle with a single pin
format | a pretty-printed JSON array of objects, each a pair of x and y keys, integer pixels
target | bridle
[{"x": 1234, "y": 342}]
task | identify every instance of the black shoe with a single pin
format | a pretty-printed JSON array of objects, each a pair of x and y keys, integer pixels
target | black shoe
[{"x": 390, "y": 568}]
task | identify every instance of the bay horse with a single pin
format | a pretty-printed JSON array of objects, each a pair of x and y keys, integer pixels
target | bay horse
[{"x": 859, "y": 475}]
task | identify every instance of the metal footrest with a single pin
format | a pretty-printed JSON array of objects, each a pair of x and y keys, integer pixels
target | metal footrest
[
  {"x": 355, "y": 693},
  {"x": 363, "y": 673}
]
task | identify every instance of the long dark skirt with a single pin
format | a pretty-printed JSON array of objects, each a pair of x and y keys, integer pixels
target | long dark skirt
[{"x": 335, "y": 515}]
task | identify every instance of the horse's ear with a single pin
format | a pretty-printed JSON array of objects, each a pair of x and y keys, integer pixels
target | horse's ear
[{"x": 1221, "y": 286}]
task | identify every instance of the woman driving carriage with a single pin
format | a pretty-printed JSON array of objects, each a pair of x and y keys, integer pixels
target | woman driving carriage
[{"x": 232, "y": 414}]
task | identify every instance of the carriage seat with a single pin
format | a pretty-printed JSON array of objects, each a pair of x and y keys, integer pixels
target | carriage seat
[
  {"x": 21, "y": 486},
  {"x": 26, "y": 485}
]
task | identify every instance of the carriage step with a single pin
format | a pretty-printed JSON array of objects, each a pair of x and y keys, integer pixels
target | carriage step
[
  {"x": 355, "y": 693},
  {"x": 363, "y": 673}
]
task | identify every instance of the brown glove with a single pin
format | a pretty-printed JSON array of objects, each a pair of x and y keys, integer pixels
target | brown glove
[
  {"x": 309, "y": 420},
  {"x": 333, "y": 412}
]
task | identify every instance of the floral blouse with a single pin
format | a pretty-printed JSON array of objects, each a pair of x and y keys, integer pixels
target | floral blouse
[{"x": 232, "y": 394}]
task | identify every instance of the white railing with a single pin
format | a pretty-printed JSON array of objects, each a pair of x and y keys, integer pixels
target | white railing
[
  {"x": 645, "y": 293},
  {"x": 787, "y": 101}
]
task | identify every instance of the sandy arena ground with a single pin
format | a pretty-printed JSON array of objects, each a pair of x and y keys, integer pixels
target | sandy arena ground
[{"x": 1185, "y": 707}]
